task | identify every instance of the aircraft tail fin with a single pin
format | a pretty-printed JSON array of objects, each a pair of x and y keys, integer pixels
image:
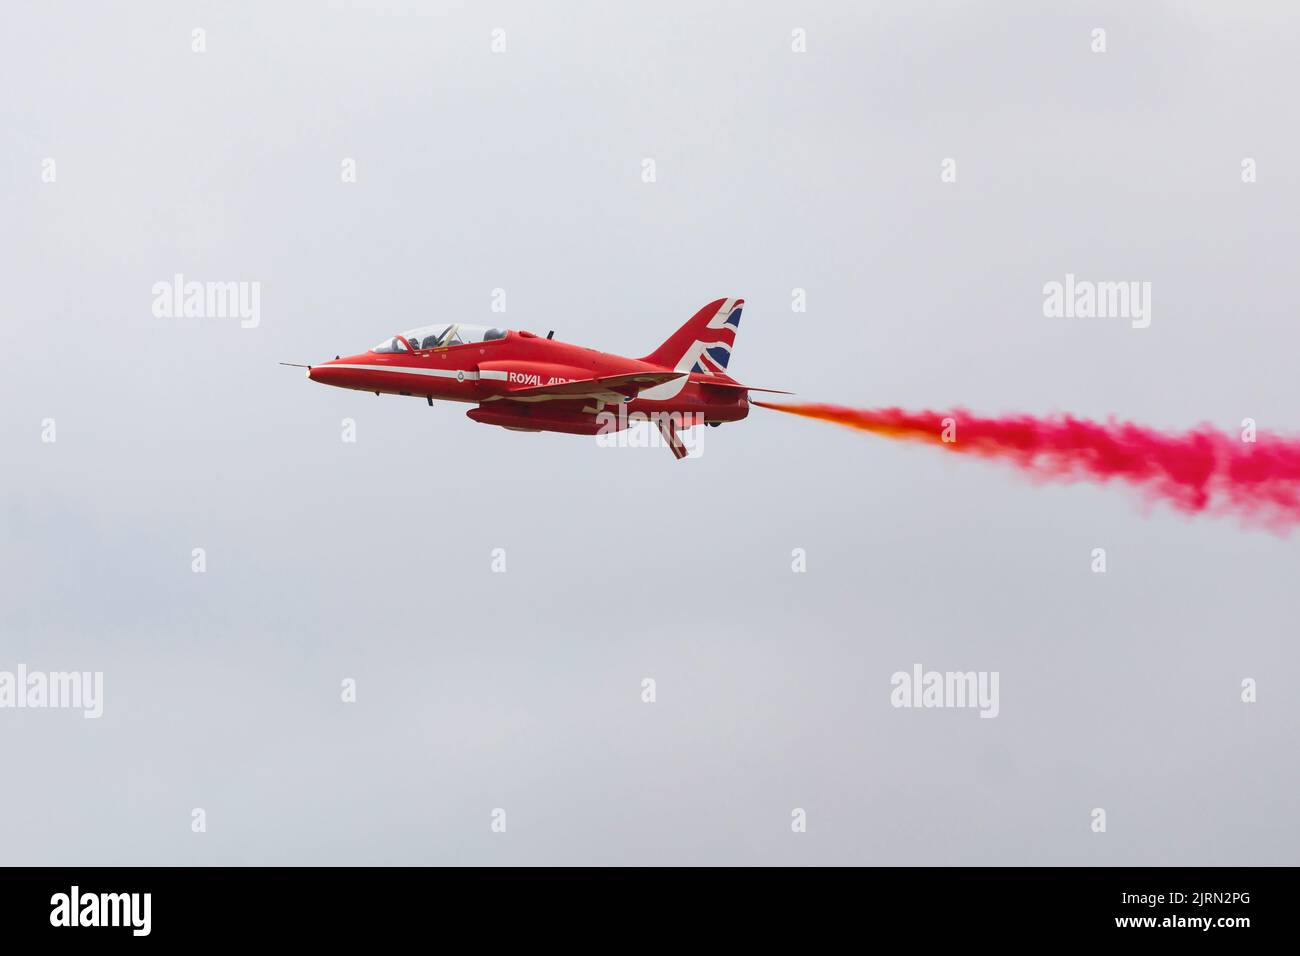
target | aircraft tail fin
[{"x": 704, "y": 343}]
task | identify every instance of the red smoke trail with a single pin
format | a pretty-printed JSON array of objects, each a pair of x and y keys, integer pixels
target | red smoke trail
[{"x": 1203, "y": 470}]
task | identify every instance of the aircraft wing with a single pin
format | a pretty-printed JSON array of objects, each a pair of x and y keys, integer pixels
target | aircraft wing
[{"x": 625, "y": 385}]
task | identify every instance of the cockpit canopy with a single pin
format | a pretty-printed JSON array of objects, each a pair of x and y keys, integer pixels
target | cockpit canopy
[{"x": 440, "y": 337}]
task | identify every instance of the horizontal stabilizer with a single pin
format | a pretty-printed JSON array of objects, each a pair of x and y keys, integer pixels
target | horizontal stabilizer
[{"x": 744, "y": 388}]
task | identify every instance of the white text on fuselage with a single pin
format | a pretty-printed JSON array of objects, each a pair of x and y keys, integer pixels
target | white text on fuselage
[{"x": 527, "y": 378}]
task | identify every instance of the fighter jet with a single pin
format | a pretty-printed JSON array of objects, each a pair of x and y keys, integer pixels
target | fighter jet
[{"x": 525, "y": 382}]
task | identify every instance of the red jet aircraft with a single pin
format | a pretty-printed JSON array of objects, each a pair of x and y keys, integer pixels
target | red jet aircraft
[{"x": 524, "y": 382}]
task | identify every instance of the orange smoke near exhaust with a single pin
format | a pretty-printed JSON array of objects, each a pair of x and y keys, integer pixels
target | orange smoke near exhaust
[{"x": 1202, "y": 470}]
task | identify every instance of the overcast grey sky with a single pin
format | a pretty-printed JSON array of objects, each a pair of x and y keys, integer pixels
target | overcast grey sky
[{"x": 522, "y": 170}]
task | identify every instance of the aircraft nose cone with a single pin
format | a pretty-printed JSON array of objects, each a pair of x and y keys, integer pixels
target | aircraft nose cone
[
  {"x": 330, "y": 373},
  {"x": 323, "y": 374},
  {"x": 335, "y": 371}
]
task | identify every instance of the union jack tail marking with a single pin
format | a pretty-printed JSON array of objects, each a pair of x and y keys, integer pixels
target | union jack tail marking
[{"x": 704, "y": 344}]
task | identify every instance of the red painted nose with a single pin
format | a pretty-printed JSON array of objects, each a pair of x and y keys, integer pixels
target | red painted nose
[
  {"x": 340, "y": 370},
  {"x": 325, "y": 374}
]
